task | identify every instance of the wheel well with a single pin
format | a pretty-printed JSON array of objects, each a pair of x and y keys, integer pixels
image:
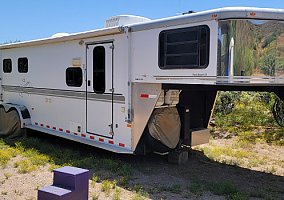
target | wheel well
[{"x": 22, "y": 111}]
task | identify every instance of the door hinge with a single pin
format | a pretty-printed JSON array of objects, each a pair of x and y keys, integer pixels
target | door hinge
[{"x": 112, "y": 46}]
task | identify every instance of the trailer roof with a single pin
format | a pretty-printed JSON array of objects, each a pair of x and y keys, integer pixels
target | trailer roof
[
  {"x": 70, "y": 37},
  {"x": 216, "y": 14}
]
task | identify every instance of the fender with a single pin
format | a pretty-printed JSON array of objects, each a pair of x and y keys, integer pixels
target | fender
[{"x": 24, "y": 115}]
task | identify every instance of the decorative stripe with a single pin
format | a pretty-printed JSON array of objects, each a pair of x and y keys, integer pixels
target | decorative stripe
[
  {"x": 117, "y": 98},
  {"x": 92, "y": 137},
  {"x": 67, "y": 131},
  {"x": 111, "y": 142},
  {"x": 101, "y": 140},
  {"x": 61, "y": 129}
]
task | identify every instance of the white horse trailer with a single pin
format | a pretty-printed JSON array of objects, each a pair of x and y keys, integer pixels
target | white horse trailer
[{"x": 140, "y": 85}]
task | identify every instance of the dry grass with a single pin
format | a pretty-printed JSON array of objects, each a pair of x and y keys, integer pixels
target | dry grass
[{"x": 237, "y": 151}]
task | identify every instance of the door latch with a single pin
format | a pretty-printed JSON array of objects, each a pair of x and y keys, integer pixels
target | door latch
[{"x": 111, "y": 129}]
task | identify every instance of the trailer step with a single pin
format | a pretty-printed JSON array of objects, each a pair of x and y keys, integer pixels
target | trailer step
[
  {"x": 68, "y": 183},
  {"x": 54, "y": 193},
  {"x": 71, "y": 177}
]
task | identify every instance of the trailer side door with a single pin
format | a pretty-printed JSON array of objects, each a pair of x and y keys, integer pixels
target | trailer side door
[{"x": 99, "y": 95}]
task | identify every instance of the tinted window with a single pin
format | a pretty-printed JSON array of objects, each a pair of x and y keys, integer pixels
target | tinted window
[
  {"x": 7, "y": 65},
  {"x": 184, "y": 48},
  {"x": 74, "y": 76},
  {"x": 23, "y": 65},
  {"x": 99, "y": 69}
]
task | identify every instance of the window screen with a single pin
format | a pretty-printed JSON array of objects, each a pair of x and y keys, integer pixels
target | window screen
[
  {"x": 23, "y": 65},
  {"x": 99, "y": 69},
  {"x": 184, "y": 48},
  {"x": 74, "y": 76},
  {"x": 7, "y": 65}
]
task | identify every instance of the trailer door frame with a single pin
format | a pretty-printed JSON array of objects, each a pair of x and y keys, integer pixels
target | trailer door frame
[{"x": 100, "y": 89}]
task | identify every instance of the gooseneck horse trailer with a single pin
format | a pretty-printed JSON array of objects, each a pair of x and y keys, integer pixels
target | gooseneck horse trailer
[{"x": 140, "y": 85}]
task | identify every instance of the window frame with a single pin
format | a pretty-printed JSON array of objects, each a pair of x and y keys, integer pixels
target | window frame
[
  {"x": 19, "y": 67},
  {"x": 100, "y": 70},
  {"x": 3, "y": 65},
  {"x": 75, "y": 84},
  {"x": 162, "y": 54}
]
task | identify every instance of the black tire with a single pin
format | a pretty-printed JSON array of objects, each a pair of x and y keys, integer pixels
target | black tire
[{"x": 10, "y": 124}]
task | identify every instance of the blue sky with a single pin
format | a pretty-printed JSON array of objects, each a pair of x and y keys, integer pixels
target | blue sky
[{"x": 31, "y": 19}]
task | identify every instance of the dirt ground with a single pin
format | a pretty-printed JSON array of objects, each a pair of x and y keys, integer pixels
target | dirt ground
[{"x": 159, "y": 179}]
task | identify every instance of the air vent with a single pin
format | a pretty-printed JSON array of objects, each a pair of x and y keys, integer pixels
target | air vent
[
  {"x": 57, "y": 35},
  {"x": 123, "y": 20}
]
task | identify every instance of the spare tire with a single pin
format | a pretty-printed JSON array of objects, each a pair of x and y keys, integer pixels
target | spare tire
[
  {"x": 10, "y": 125},
  {"x": 164, "y": 125}
]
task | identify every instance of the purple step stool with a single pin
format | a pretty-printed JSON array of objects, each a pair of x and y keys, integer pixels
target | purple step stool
[
  {"x": 54, "y": 193},
  {"x": 69, "y": 183}
]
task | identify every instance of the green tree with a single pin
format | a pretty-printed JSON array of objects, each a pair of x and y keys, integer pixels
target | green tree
[{"x": 269, "y": 63}]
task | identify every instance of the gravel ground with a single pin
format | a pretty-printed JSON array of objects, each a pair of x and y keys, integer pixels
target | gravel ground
[{"x": 160, "y": 179}]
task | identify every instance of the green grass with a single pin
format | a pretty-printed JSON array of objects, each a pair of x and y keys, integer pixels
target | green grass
[
  {"x": 35, "y": 152},
  {"x": 25, "y": 166},
  {"x": 139, "y": 192},
  {"x": 176, "y": 188},
  {"x": 96, "y": 179},
  {"x": 222, "y": 188},
  {"x": 236, "y": 154},
  {"x": 196, "y": 187},
  {"x": 6, "y": 153},
  {"x": 138, "y": 196},
  {"x": 95, "y": 196},
  {"x": 107, "y": 186},
  {"x": 7, "y": 175},
  {"x": 226, "y": 154},
  {"x": 116, "y": 195},
  {"x": 5, "y": 156},
  {"x": 123, "y": 181}
]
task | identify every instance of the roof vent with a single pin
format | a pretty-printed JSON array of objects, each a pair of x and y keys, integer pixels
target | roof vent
[
  {"x": 188, "y": 12},
  {"x": 57, "y": 35},
  {"x": 122, "y": 20}
]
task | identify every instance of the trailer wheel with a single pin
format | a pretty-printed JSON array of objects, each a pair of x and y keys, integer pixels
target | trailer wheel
[
  {"x": 278, "y": 111},
  {"x": 10, "y": 125}
]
